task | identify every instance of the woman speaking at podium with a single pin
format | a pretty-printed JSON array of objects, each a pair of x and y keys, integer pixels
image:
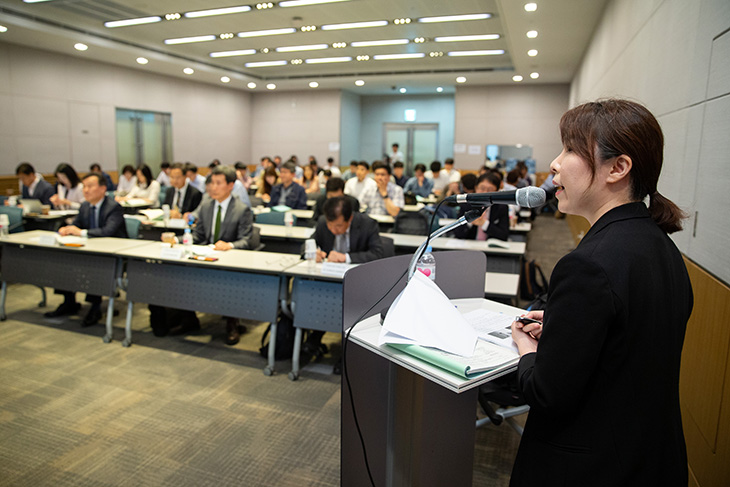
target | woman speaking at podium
[{"x": 601, "y": 374}]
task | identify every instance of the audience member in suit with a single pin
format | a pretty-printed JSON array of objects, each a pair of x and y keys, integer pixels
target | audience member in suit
[
  {"x": 614, "y": 324},
  {"x": 110, "y": 186},
  {"x": 494, "y": 222},
  {"x": 181, "y": 196},
  {"x": 69, "y": 190},
  {"x": 34, "y": 186},
  {"x": 99, "y": 216},
  {"x": 227, "y": 223},
  {"x": 288, "y": 192},
  {"x": 334, "y": 187},
  {"x": 342, "y": 235}
]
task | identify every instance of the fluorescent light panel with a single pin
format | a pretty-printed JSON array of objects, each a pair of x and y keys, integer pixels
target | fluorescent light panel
[
  {"x": 387, "y": 42},
  {"x": 355, "y": 25},
  {"x": 454, "y": 18},
  {"x": 310, "y": 47},
  {"x": 241, "y": 52},
  {"x": 217, "y": 11},
  {"x": 386, "y": 57},
  {"x": 187, "y": 40},
  {"x": 324, "y": 60},
  {"x": 485, "y": 37},
  {"x": 269, "y": 32},
  {"x": 300, "y": 3},
  {"x": 126, "y": 22},
  {"x": 488, "y": 52},
  {"x": 264, "y": 64}
]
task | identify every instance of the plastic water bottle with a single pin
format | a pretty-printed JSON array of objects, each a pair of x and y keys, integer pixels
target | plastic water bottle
[
  {"x": 4, "y": 226},
  {"x": 310, "y": 253},
  {"x": 427, "y": 264},
  {"x": 288, "y": 223},
  {"x": 188, "y": 242},
  {"x": 166, "y": 213}
]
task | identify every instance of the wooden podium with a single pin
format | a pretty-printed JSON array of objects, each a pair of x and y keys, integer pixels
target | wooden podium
[{"x": 416, "y": 428}]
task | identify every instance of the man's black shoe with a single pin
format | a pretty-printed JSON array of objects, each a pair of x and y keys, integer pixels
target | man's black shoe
[
  {"x": 184, "y": 328},
  {"x": 63, "y": 310},
  {"x": 92, "y": 317}
]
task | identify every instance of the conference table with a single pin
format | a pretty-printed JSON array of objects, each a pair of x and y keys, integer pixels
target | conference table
[{"x": 93, "y": 265}]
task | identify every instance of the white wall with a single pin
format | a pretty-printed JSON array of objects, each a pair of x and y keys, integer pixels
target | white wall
[
  {"x": 56, "y": 108},
  {"x": 509, "y": 115},
  {"x": 302, "y": 123},
  {"x": 674, "y": 57}
]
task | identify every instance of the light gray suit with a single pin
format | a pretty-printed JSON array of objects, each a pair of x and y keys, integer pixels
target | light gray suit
[{"x": 236, "y": 227}]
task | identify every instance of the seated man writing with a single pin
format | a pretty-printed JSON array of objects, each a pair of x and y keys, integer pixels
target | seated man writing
[
  {"x": 342, "y": 235},
  {"x": 99, "y": 216}
]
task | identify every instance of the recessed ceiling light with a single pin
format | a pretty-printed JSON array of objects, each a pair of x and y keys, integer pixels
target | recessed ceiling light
[
  {"x": 483, "y": 37},
  {"x": 454, "y": 18},
  {"x": 268, "y": 32},
  {"x": 402, "y": 90},
  {"x": 225, "y": 79},
  {"x": 359, "y": 82},
  {"x": 489, "y": 52},
  {"x": 251, "y": 85},
  {"x": 387, "y": 42},
  {"x": 313, "y": 84},
  {"x": 264, "y": 64},
  {"x": 175, "y": 16},
  {"x": 186, "y": 40},
  {"x": 126, "y": 22},
  {"x": 323, "y": 60},
  {"x": 461, "y": 79},
  {"x": 271, "y": 86},
  {"x": 517, "y": 78},
  {"x": 386, "y": 57},
  {"x": 530, "y": 7},
  {"x": 3, "y": 28},
  {"x": 534, "y": 75},
  {"x": 532, "y": 52},
  {"x": 142, "y": 60},
  {"x": 80, "y": 46},
  {"x": 531, "y": 34},
  {"x": 241, "y": 52},
  {"x": 355, "y": 25},
  {"x": 439, "y": 89},
  {"x": 188, "y": 70},
  {"x": 217, "y": 11},
  {"x": 299, "y": 3},
  {"x": 310, "y": 47}
]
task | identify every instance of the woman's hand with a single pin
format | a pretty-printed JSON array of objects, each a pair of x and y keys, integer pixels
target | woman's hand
[{"x": 526, "y": 335}]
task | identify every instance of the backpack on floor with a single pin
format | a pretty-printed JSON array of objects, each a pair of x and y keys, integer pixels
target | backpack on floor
[
  {"x": 532, "y": 281},
  {"x": 285, "y": 333}
]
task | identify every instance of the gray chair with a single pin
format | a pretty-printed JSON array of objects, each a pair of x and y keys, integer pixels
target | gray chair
[
  {"x": 388, "y": 246},
  {"x": 132, "y": 224},
  {"x": 411, "y": 223}
]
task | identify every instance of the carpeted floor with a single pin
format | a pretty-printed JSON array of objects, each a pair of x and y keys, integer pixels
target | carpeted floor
[{"x": 182, "y": 411}]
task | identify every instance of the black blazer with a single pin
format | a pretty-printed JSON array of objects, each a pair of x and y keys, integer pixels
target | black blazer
[
  {"x": 236, "y": 227},
  {"x": 111, "y": 219},
  {"x": 603, "y": 387},
  {"x": 43, "y": 192},
  {"x": 498, "y": 224},
  {"x": 190, "y": 202},
  {"x": 296, "y": 200},
  {"x": 365, "y": 243}
]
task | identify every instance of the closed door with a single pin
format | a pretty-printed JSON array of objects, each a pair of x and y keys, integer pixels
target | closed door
[
  {"x": 143, "y": 138},
  {"x": 418, "y": 142}
]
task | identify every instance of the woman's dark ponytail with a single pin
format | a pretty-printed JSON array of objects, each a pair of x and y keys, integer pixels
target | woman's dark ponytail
[{"x": 665, "y": 213}]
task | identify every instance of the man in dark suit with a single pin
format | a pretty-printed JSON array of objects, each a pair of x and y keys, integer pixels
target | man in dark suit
[
  {"x": 334, "y": 187},
  {"x": 342, "y": 235},
  {"x": 494, "y": 222},
  {"x": 99, "y": 216},
  {"x": 181, "y": 196},
  {"x": 34, "y": 186},
  {"x": 288, "y": 192}
]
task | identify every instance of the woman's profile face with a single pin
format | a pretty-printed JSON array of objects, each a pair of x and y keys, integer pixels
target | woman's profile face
[
  {"x": 573, "y": 180},
  {"x": 63, "y": 179},
  {"x": 141, "y": 178}
]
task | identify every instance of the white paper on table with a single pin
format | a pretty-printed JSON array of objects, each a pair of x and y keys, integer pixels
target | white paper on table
[
  {"x": 176, "y": 223},
  {"x": 492, "y": 326},
  {"x": 423, "y": 315},
  {"x": 204, "y": 250},
  {"x": 70, "y": 240}
]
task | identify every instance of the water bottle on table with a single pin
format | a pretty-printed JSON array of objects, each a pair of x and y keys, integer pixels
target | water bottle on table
[
  {"x": 427, "y": 264},
  {"x": 310, "y": 253}
]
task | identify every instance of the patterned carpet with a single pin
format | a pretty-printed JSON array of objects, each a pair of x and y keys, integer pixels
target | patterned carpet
[{"x": 180, "y": 411}]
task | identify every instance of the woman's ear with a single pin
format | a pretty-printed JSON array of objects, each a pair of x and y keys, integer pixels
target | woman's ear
[{"x": 620, "y": 169}]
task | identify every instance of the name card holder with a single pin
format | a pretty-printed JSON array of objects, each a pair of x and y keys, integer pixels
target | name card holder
[{"x": 172, "y": 252}]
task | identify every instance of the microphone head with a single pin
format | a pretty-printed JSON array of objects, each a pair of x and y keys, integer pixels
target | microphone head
[{"x": 530, "y": 197}]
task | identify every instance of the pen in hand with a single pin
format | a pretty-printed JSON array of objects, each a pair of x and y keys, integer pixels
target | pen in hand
[{"x": 526, "y": 321}]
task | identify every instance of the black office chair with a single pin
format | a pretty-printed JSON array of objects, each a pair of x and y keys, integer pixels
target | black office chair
[
  {"x": 255, "y": 242},
  {"x": 388, "y": 246},
  {"x": 411, "y": 223},
  {"x": 501, "y": 400}
]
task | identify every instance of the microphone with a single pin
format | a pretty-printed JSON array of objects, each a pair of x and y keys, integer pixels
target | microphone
[{"x": 529, "y": 197}]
